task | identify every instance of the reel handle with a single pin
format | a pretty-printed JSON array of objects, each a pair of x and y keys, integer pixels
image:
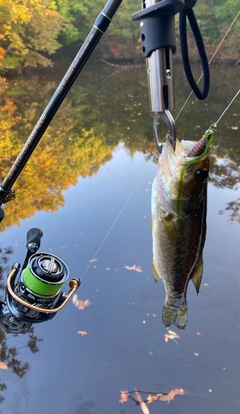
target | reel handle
[{"x": 34, "y": 239}]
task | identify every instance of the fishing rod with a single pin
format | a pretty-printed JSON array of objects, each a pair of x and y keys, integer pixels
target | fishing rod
[
  {"x": 158, "y": 44},
  {"x": 34, "y": 294},
  {"x": 100, "y": 26}
]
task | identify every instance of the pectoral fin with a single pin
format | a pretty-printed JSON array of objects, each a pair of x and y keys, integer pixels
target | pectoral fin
[{"x": 197, "y": 276}]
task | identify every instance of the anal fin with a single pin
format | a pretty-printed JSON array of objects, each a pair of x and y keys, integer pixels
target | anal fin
[{"x": 197, "y": 276}]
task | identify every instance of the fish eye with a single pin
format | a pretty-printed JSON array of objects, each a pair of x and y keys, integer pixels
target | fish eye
[{"x": 201, "y": 175}]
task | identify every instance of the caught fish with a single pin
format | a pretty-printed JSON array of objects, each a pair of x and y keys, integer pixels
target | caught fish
[{"x": 179, "y": 206}]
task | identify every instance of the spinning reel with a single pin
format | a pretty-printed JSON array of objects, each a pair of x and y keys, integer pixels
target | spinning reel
[{"x": 36, "y": 295}]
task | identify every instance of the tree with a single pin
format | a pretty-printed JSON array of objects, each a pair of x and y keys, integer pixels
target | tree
[{"x": 29, "y": 31}]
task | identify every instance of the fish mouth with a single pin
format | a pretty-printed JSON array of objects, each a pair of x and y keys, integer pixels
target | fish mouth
[{"x": 186, "y": 153}]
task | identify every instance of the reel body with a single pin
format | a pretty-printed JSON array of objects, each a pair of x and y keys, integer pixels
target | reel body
[{"x": 36, "y": 295}]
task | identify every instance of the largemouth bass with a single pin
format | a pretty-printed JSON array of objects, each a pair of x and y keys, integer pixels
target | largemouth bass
[{"x": 179, "y": 206}]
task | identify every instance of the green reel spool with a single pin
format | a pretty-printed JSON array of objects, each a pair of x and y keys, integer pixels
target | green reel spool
[{"x": 45, "y": 274}]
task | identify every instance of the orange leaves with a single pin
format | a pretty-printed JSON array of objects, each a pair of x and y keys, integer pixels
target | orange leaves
[
  {"x": 170, "y": 396},
  {"x": 3, "y": 366},
  {"x": 157, "y": 396},
  {"x": 171, "y": 335},
  {"x": 134, "y": 267},
  {"x": 80, "y": 304},
  {"x": 28, "y": 28},
  {"x": 2, "y": 53},
  {"x": 123, "y": 396},
  {"x": 93, "y": 260}
]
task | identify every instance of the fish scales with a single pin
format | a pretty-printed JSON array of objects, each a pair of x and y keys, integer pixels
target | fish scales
[{"x": 179, "y": 207}]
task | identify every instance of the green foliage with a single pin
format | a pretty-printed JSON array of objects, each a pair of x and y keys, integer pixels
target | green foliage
[
  {"x": 34, "y": 30},
  {"x": 214, "y": 18},
  {"x": 74, "y": 14},
  {"x": 122, "y": 40}
]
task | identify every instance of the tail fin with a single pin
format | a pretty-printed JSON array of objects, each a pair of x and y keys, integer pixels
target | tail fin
[{"x": 172, "y": 315}]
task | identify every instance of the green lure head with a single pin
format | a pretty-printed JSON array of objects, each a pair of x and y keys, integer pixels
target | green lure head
[{"x": 209, "y": 136}]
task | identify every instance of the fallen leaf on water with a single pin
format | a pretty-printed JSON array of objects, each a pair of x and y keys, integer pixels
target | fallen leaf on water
[
  {"x": 171, "y": 335},
  {"x": 80, "y": 304},
  {"x": 142, "y": 404},
  {"x": 134, "y": 267},
  {"x": 3, "y": 366},
  {"x": 160, "y": 396},
  {"x": 156, "y": 397},
  {"x": 93, "y": 260},
  {"x": 123, "y": 396},
  {"x": 74, "y": 299},
  {"x": 170, "y": 396},
  {"x": 84, "y": 304},
  {"x": 165, "y": 396},
  {"x": 82, "y": 333}
]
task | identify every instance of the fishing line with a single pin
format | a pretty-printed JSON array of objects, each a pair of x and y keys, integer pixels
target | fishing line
[
  {"x": 135, "y": 187},
  {"x": 225, "y": 110},
  {"x": 218, "y": 47},
  {"x": 115, "y": 221}
]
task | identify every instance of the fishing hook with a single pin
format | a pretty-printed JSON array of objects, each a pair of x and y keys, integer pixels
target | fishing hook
[{"x": 166, "y": 117}]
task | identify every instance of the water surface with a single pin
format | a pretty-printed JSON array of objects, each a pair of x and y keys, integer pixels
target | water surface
[{"x": 88, "y": 187}]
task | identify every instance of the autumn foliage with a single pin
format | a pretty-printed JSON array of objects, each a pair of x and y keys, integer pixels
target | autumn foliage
[
  {"x": 162, "y": 396},
  {"x": 28, "y": 28},
  {"x": 32, "y": 31}
]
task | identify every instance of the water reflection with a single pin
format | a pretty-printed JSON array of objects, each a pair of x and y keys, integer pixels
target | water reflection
[
  {"x": 125, "y": 345},
  {"x": 88, "y": 127},
  {"x": 234, "y": 207},
  {"x": 9, "y": 355}
]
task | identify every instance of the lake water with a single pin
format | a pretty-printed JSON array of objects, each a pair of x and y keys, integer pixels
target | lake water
[{"x": 88, "y": 187}]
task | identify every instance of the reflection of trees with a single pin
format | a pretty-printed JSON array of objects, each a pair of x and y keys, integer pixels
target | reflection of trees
[
  {"x": 4, "y": 256},
  {"x": 106, "y": 106},
  {"x": 8, "y": 354},
  {"x": 68, "y": 151},
  {"x": 234, "y": 207},
  {"x": 225, "y": 172}
]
